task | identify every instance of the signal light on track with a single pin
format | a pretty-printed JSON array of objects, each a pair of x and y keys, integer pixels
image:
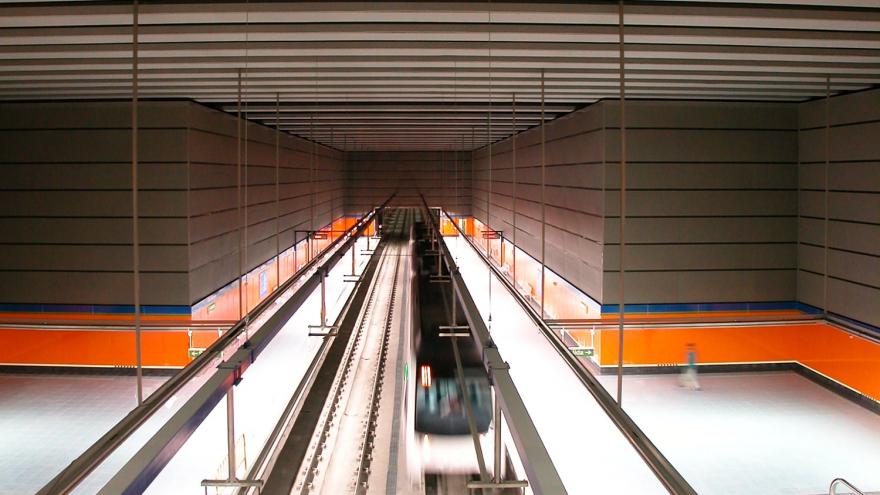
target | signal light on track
[{"x": 426, "y": 376}]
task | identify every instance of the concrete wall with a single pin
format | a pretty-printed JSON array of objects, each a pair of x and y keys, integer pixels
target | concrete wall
[
  {"x": 443, "y": 177},
  {"x": 65, "y": 200},
  {"x": 65, "y": 203},
  {"x": 711, "y": 202},
  {"x": 214, "y": 213},
  {"x": 853, "y": 206},
  {"x": 574, "y": 155},
  {"x": 712, "y": 199}
]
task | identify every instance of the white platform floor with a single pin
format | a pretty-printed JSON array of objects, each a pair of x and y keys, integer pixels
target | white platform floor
[
  {"x": 756, "y": 433},
  {"x": 46, "y": 421}
]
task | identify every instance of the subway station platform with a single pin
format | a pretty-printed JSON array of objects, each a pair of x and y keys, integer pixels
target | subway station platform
[
  {"x": 440, "y": 247},
  {"x": 759, "y": 432},
  {"x": 48, "y": 420}
]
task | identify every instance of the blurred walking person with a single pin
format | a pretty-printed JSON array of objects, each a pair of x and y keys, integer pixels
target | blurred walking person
[{"x": 688, "y": 378}]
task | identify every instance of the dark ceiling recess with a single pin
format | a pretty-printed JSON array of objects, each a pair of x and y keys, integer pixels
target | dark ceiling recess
[{"x": 422, "y": 75}]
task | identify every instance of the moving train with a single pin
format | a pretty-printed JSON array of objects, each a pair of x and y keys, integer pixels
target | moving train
[{"x": 441, "y": 420}]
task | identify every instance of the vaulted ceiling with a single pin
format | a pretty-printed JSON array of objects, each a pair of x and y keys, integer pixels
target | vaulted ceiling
[{"x": 428, "y": 75}]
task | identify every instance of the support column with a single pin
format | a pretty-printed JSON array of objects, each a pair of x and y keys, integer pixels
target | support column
[
  {"x": 277, "y": 190},
  {"x": 826, "y": 171},
  {"x": 244, "y": 265},
  {"x": 513, "y": 160},
  {"x": 238, "y": 197},
  {"x": 498, "y": 456},
  {"x": 230, "y": 433},
  {"x": 622, "y": 244},
  {"x": 543, "y": 197},
  {"x": 135, "y": 219},
  {"x": 312, "y": 166}
]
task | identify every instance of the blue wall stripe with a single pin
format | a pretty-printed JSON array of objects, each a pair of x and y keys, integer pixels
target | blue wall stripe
[
  {"x": 94, "y": 309},
  {"x": 696, "y": 307}
]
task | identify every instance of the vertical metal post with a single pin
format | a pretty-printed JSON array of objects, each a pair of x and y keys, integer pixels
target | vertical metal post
[
  {"x": 455, "y": 155},
  {"x": 543, "y": 197},
  {"x": 622, "y": 243},
  {"x": 323, "y": 297},
  {"x": 295, "y": 255},
  {"x": 442, "y": 187},
  {"x": 230, "y": 433},
  {"x": 457, "y": 201},
  {"x": 353, "y": 250},
  {"x": 827, "y": 167},
  {"x": 332, "y": 196},
  {"x": 452, "y": 320},
  {"x": 312, "y": 166},
  {"x": 439, "y": 261},
  {"x": 238, "y": 198},
  {"x": 135, "y": 234},
  {"x": 244, "y": 266},
  {"x": 277, "y": 190},
  {"x": 513, "y": 159},
  {"x": 473, "y": 175},
  {"x": 497, "y": 432},
  {"x": 489, "y": 194}
]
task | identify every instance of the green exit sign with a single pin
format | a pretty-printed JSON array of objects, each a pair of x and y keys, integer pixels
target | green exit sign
[
  {"x": 583, "y": 351},
  {"x": 194, "y": 352}
]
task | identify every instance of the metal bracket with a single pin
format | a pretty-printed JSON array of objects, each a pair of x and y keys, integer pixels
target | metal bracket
[
  {"x": 453, "y": 331},
  {"x": 484, "y": 485},
  {"x": 232, "y": 483},
  {"x": 322, "y": 330}
]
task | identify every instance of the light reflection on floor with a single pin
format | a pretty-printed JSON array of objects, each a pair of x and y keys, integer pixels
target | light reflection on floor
[
  {"x": 47, "y": 420},
  {"x": 765, "y": 432}
]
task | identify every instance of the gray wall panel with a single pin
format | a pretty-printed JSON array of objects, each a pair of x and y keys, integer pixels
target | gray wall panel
[
  {"x": 853, "y": 282},
  {"x": 90, "y": 287},
  {"x": 443, "y": 177},
  {"x": 721, "y": 286},
  {"x": 574, "y": 203},
  {"x": 65, "y": 207},
  {"x": 310, "y": 195},
  {"x": 711, "y": 202}
]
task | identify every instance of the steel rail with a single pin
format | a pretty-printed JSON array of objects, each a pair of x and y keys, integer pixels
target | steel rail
[
  {"x": 345, "y": 367},
  {"x": 671, "y": 479},
  {"x": 88, "y": 461},
  {"x": 540, "y": 471},
  {"x": 365, "y": 460},
  {"x": 268, "y": 456}
]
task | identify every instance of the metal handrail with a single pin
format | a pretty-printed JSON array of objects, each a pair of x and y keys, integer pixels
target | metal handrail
[
  {"x": 88, "y": 461},
  {"x": 671, "y": 479},
  {"x": 832, "y": 489},
  {"x": 141, "y": 469},
  {"x": 202, "y": 326}
]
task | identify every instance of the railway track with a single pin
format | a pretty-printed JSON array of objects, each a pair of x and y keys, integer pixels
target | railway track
[{"x": 340, "y": 454}]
